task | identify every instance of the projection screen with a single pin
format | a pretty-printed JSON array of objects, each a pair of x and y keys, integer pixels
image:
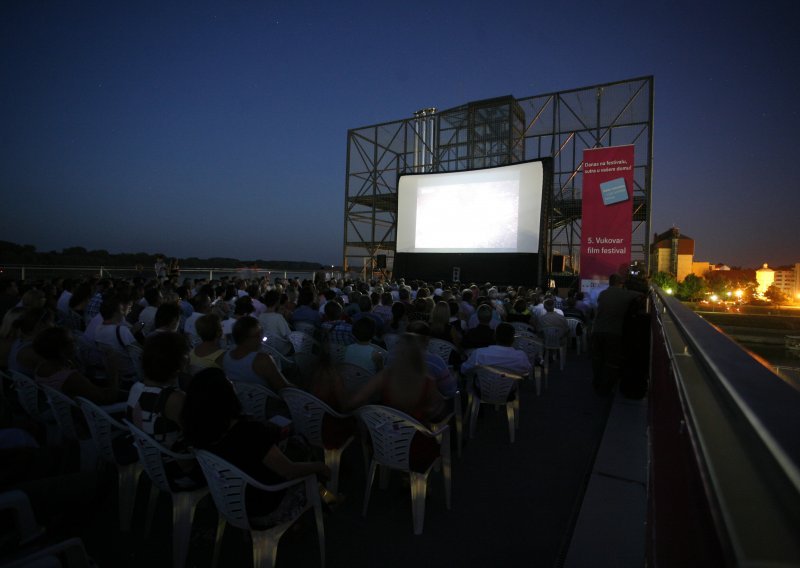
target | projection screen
[{"x": 477, "y": 211}]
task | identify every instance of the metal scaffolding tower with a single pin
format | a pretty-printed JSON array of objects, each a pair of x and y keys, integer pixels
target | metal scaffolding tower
[{"x": 496, "y": 132}]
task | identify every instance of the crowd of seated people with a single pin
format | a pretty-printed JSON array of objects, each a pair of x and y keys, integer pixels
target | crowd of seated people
[{"x": 196, "y": 339}]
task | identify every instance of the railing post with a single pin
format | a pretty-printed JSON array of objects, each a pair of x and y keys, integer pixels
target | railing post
[
  {"x": 23, "y": 273},
  {"x": 101, "y": 272},
  {"x": 210, "y": 275}
]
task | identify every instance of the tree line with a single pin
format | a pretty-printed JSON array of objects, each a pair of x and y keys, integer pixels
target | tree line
[{"x": 12, "y": 253}]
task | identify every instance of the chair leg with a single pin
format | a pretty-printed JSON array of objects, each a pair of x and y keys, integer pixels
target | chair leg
[
  {"x": 562, "y": 355},
  {"x": 332, "y": 460},
  {"x": 459, "y": 426},
  {"x": 446, "y": 470},
  {"x": 370, "y": 478},
  {"x": 311, "y": 491},
  {"x": 151, "y": 510},
  {"x": 510, "y": 416},
  {"x": 473, "y": 415},
  {"x": 127, "y": 481},
  {"x": 183, "y": 506},
  {"x": 419, "y": 487},
  {"x": 218, "y": 540},
  {"x": 265, "y": 549}
]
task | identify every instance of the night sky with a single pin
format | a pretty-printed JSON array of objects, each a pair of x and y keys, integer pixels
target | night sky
[{"x": 220, "y": 128}]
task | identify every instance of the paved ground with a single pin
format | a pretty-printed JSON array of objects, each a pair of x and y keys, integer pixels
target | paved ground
[{"x": 513, "y": 504}]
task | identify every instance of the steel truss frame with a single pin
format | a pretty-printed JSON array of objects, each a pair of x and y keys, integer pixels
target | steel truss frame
[{"x": 558, "y": 125}]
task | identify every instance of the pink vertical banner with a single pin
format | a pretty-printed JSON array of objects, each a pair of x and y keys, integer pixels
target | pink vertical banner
[{"x": 607, "y": 225}]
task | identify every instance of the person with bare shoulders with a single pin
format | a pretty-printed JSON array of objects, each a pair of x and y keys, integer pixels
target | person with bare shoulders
[
  {"x": 246, "y": 362},
  {"x": 56, "y": 349},
  {"x": 208, "y": 353}
]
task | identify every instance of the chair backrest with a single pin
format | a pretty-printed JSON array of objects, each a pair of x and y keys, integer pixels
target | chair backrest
[
  {"x": 391, "y": 339},
  {"x": 305, "y": 327},
  {"x": 353, "y": 376},
  {"x": 254, "y": 399},
  {"x": 101, "y": 426},
  {"x": 152, "y": 455},
  {"x": 227, "y": 484},
  {"x": 552, "y": 337},
  {"x": 391, "y": 432},
  {"x": 301, "y": 341},
  {"x": 337, "y": 351},
  {"x": 532, "y": 346},
  {"x": 441, "y": 348},
  {"x": 135, "y": 353},
  {"x": 281, "y": 361},
  {"x": 522, "y": 328},
  {"x": 27, "y": 393},
  {"x": 307, "y": 413},
  {"x": 495, "y": 385},
  {"x": 575, "y": 327},
  {"x": 62, "y": 407}
]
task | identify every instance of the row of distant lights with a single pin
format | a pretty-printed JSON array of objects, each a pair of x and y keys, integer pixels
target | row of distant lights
[{"x": 714, "y": 297}]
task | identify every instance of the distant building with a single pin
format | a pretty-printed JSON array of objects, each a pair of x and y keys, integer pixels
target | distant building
[
  {"x": 700, "y": 268},
  {"x": 672, "y": 253},
  {"x": 720, "y": 266},
  {"x": 765, "y": 277},
  {"x": 787, "y": 280}
]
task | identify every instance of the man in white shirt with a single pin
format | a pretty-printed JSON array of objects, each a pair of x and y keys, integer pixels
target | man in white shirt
[
  {"x": 113, "y": 333},
  {"x": 153, "y": 298},
  {"x": 501, "y": 356},
  {"x": 276, "y": 328}
]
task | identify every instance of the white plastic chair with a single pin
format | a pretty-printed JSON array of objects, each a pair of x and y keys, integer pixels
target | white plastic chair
[
  {"x": 441, "y": 348},
  {"x": 302, "y": 342},
  {"x": 391, "y": 339},
  {"x": 135, "y": 353},
  {"x": 62, "y": 407},
  {"x": 391, "y": 432},
  {"x": 27, "y": 394},
  {"x": 336, "y": 351},
  {"x": 228, "y": 483},
  {"x": 307, "y": 414},
  {"x": 577, "y": 331},
  {"x": 553, "y": 343},
  {"x": 306, "y": 327},
  {"x": 184, "y": 503},
  {"x": 523, "y": 328},
  {"x": 354, "y": 376},
  {"x": 104, "y": 429},
  {"x": 254, "y": 399},
  {"x": 281, "y": 360},
  {"x": 534, "y": 349},
  {"x": 498, "y": 387}
]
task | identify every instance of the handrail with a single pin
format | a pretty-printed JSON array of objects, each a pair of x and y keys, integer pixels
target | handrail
[
  {"x": 744, "y": 424},
  {"x": 24, "y": 269}
]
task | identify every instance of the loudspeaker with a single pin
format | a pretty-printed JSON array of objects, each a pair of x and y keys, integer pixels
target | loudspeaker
[
  {"x": 381, "y": 260},
  {"x": 557, "y": 264}
]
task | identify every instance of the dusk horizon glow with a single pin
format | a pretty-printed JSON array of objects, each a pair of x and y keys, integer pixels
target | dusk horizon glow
[{"x": 211, "y": 129}]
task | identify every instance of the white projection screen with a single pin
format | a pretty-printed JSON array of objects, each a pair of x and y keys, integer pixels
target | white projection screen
[{"x": 494, "y": 210}]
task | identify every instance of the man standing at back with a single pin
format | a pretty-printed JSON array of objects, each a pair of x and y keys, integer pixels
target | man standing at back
[{"x": 607, "y": 347}]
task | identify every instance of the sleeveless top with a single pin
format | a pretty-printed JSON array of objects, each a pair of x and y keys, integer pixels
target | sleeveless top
[
  {"x": 198, "y": 363},
  {"x": 241, "y": 369}
]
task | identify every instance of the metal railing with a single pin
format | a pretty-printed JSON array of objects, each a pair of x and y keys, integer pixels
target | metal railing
[
  {"x": 725, "y": 449},
  {"x": 32, "y": 271}
]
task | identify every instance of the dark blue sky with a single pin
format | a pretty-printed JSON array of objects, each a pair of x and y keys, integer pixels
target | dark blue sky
[{"x": 219, "y": 128}]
